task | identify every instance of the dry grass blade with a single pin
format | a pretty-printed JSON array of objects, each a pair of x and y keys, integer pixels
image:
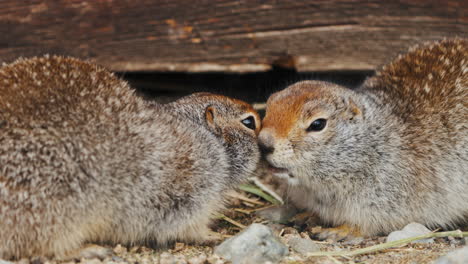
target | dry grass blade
[
  {"x": 234, "y": 222},
  {"x": 243, "y": 198},
  {"x": 388, "y": 245},
  {"x": 257, "y": 191},
  {"x": 248, "y": 204},
  {"x": 247, "y": 212},
  {"x": 263, "y": 208}
]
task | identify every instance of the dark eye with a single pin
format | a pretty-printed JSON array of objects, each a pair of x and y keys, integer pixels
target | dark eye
[
  {"x": 317, "y": 125},
  {"x": 249, "y": 122}
]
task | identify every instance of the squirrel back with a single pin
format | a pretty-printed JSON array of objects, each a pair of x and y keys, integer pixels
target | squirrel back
[{"x": 429, "y": 79}]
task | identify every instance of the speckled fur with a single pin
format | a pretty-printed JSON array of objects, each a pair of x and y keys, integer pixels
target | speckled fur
[
  {"x": 82, "y": 159},
  {"x": 394, "y": 151}
]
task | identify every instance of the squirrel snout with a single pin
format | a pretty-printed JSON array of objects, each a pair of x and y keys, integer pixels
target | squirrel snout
[{"x": 266, "y": 142}]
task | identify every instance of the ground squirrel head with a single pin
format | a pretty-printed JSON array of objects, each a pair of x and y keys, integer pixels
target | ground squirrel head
[
  {"x": 300, "y": 123},
  {"x": 232, "y": 121}
]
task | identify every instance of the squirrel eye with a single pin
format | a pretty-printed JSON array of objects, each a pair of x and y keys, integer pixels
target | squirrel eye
[
  {"x": 249, "y": 122},
  {"x": 317, "y": 125}
]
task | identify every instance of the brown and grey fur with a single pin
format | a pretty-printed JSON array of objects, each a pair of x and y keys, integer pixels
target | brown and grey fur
[
  {"x": 83, "y": 159},
  {"x": 394, "y": 151}
]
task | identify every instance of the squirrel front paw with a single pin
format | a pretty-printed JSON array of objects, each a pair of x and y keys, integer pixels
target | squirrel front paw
[{"x": 339, "y": 233}]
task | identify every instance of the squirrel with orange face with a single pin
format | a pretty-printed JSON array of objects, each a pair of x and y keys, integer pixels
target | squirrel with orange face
[{"x": 391, "y": 152}]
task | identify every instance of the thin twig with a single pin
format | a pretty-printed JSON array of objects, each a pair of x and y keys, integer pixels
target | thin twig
[
  {"x": 262, "y": 208},
  {"x": 388, "y": 245},
  {"x": 243, "y": 198},
  {"x": 247, "y": 212},
  {"x": 248, "y": 204},
  {"x": 281, "y": 232},
  {"x": 234, "y": 222}
]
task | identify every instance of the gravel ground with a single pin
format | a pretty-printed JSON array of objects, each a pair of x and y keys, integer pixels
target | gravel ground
[{"x": 242, "y": 213}]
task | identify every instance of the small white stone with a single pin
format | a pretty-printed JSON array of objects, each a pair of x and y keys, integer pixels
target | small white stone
[
  {"x": 256, "y": 244},
  {"x": 459, "y": 256},
  {"x": 303, "y": 245},
  {"x": 91, "y": 261},
  {"x": 215, "y": 259},
  {"x": 411, "y": 230},
  {"x": 198, "y": 259},
  {"x": 119, "y": 249}
]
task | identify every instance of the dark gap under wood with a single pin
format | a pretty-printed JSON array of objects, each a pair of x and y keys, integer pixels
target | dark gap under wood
[{"x": 251, "y": 87}]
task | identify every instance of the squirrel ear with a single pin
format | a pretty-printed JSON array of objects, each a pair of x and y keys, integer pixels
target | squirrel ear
[
  {"x": 210, "y": 117},
  {"x": 353, "y": 110}
]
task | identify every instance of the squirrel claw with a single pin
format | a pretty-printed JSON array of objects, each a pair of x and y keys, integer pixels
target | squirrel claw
[{"x": 339, "y": 233}]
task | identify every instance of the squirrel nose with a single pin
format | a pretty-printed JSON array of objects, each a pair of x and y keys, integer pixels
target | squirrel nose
[{"x": 266, "y": 142}]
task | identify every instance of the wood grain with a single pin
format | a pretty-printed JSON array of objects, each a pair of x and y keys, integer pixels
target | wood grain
[{"x": 233, "y": 36}]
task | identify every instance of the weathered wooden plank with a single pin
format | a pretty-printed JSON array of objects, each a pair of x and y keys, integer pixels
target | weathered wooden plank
[{"x": 221, "y": 35}]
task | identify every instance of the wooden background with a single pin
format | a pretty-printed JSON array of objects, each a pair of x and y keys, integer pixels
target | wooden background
[{"x": 226, "y": 36}]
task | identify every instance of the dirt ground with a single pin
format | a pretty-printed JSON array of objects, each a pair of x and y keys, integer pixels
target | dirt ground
[
  {"x": 180, "y": 253},
  {"x": 242, "y": 212}
]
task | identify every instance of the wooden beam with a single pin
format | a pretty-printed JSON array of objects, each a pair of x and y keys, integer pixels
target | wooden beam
[{"x": 232, "y": 36}]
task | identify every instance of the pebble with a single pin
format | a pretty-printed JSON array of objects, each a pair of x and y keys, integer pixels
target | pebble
[
  {"x": 454, "y": 242},
  {"x": 167, "y": 258},
  {"x": 459, "y": 256},
  {"x": 465, "y": 241},
  {"x": 117, "y": 259},
  {"x": 214, "y": 259},
  {"x": 119, "y": 249},
  {"x": 178, "y": 247},
  {"x": 411, "y": 230},
  {"x": 200, "y": 259},
  {"x": 90, "y": 261},
  {"x": 256, "y": 244},
  {"x": 290, "y": 231},
  {"x": 353, "y": 241},
  {"x": 303, "y": 245}
]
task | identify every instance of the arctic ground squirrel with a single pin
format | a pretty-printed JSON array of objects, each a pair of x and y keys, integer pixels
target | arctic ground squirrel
[
  {"x": 83, "y": 159},
  {"x": 374, "y": 159}
]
